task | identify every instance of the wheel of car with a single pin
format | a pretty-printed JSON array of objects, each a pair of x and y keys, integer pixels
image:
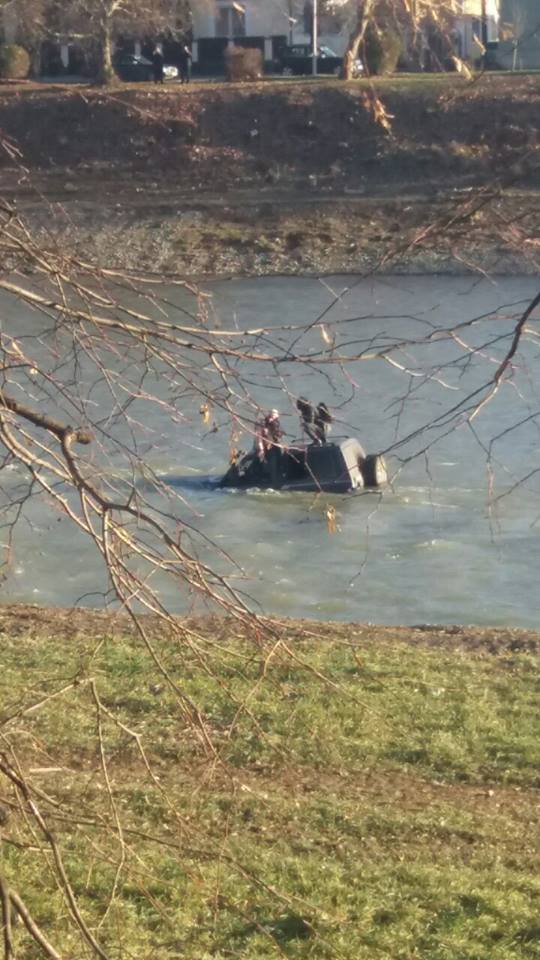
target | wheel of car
[
  {"x": 374, "y": 470},
  {"x": 287, "y": 72}
]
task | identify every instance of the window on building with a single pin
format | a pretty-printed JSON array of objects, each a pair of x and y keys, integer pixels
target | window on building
[
  {"x": 230, "y": 20},
  {"x": 330, "y": 23}
]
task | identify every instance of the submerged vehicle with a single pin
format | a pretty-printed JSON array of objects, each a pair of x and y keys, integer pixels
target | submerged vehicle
[{"x": 338, "y": 467}]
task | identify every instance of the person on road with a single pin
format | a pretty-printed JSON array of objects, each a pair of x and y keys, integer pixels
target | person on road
[
  {"x": 157, "y": 64},
  {"x": 184, "y": 63}
]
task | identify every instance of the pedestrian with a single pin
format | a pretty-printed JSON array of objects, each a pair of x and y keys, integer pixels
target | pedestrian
[
  {"x": 157, "y": 64},
  {"x": 184, "y": 63},
  {"x": 322, "y": 420},
  {"x": 307, "y": 416}
]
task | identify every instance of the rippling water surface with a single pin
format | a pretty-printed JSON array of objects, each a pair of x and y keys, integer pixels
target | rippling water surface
[{"x": 434, "y": 548}]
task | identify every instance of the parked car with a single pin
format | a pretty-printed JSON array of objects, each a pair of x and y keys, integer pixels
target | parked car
[
  {"x": 132, "y": 67},
  {"x": 297, "y": 60}
]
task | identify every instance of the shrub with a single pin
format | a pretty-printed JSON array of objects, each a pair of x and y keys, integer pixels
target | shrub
[
  {"x": 14, "y": 62},
  {"x": 243, "y": 63},
  {"x": 382, "y": 50}
]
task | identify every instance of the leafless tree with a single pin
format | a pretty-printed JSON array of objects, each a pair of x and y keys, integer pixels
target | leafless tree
[
  {"x": 97, "y": 23},
  {"x": 28, "y": 21},
  {"x": 120, "y": 332},
  {"x": 405, "y": 18}
]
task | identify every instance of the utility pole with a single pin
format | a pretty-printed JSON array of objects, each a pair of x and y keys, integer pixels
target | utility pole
[
  {"x": 315, "y": 32},
  {"x": 291, "y": 22},
  {"x": 484, "y": 22}
]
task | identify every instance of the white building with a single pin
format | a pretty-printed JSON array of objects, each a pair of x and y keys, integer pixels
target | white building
[
  {"x": 268, "y": 24},
  {"x": 477, "y": 24}
]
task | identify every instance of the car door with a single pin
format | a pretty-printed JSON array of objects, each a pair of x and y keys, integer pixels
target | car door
[{"x": 327, "y": 64}]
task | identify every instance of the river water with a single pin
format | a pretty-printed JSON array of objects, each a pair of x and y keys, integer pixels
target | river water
[{"x": 447, "y": 542}]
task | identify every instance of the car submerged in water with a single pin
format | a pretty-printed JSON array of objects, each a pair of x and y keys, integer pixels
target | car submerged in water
[{"x": 338, "y": 467}]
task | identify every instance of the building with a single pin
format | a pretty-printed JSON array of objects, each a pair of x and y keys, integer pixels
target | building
[
  {"x": 265, "y": 24},
  {"x": 520, "y": 42},
  {"x": 477, "y": 26},
  {"x": 268, "y": 24}
]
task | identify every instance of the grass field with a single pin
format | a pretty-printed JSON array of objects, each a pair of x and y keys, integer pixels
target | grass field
[{"x": 372, "y": 793}]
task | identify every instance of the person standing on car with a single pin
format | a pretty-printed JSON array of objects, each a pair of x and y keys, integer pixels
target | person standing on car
[
  {"x": 157, "y": 64},
  {"x": 184, "y": 63},
  {"x": 321, "y": 421},
  {"x": 306, "y": 418},
  {"x": 268, "y": 451},
  {"x": 315, "y": 423},
  {"x": 274, "y": 450}
]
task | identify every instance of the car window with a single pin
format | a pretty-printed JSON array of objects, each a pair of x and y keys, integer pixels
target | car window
[{"x": 327, "y": 52}]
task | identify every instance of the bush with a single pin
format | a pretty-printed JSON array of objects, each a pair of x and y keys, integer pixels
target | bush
[
  {"x": 14, "y": 62},
  {"x": 243, "y": 63},
  {"x": 382, "y": 50}
]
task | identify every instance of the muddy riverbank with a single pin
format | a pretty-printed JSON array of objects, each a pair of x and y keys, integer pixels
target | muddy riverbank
[
  {"x": 68, "y": 624},
  {"x": 253, "y": 236}
]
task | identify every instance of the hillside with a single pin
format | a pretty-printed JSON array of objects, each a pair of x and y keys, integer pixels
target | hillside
[
  {"x": 218, "y": 137},
  {"x": 272, "y": 177}
]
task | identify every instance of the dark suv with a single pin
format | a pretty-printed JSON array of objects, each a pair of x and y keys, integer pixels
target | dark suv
[
  {"x": 297, "y": 60},
  {"x": 132, "y": 67}
]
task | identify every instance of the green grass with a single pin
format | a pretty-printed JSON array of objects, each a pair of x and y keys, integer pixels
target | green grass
[{"x": 386, "y": 811}]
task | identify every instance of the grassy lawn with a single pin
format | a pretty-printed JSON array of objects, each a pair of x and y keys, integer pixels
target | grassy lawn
[
  {"x": 365, "y": 794},
  {"x": 497, "y": 81}
]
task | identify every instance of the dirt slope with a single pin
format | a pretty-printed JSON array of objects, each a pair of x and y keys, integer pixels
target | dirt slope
[{"x": 219, "y": 137}]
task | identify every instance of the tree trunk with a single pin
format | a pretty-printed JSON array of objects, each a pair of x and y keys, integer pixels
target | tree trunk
[
  {"x": 106, "y": 74},
  {"x": 365, "y": 8}
]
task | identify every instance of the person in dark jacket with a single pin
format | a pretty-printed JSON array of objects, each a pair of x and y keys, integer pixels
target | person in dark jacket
[
  {"x": 322, "y": 420},
  {"x": 306, "y": 417},
  {"x": 184, "y": 63},
  {"x": 315, "y": 423},
  {"x": 157, "y": 64}
]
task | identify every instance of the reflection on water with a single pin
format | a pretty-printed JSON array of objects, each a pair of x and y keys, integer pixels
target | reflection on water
[{"x": 431, "y": 549}]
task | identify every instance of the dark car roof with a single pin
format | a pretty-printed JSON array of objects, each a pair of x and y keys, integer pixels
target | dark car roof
[{"x": 305, "y": 50}]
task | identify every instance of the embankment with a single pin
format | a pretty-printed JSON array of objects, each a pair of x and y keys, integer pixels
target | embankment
[{"x": 290, "y": 177}]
